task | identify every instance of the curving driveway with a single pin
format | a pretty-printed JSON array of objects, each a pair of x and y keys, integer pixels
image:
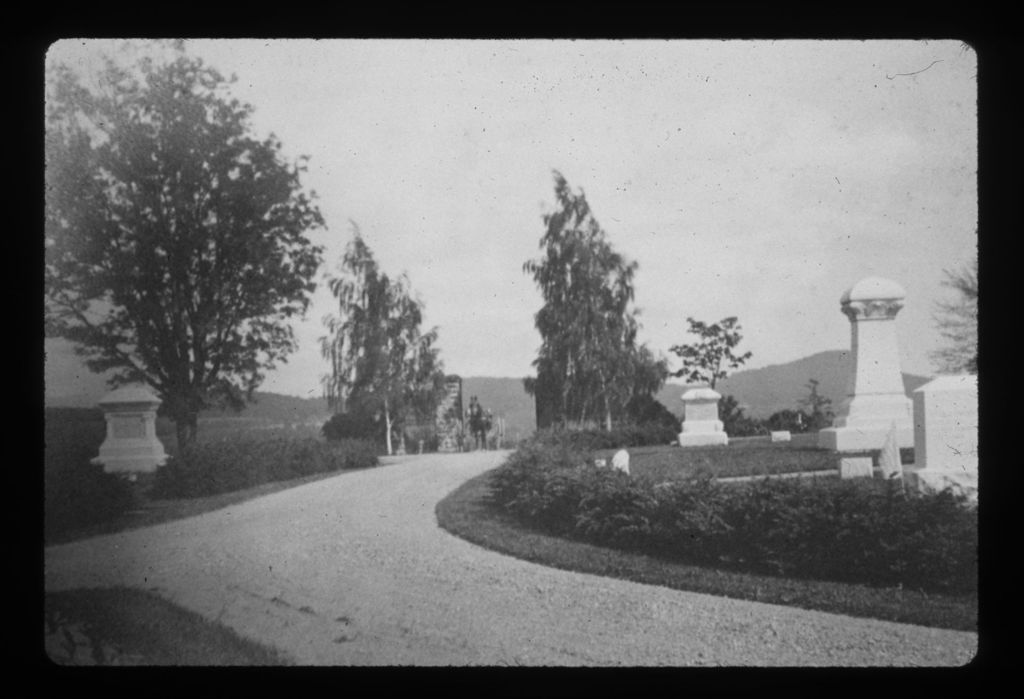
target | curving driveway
[{"x": 353, "y": 570}]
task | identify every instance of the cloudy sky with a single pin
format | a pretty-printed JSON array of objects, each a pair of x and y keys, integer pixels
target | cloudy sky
[{"x": 751, "y": 178}]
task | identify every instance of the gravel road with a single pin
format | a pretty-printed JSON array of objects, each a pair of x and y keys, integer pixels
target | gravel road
[{"x": 353, "y": 570}]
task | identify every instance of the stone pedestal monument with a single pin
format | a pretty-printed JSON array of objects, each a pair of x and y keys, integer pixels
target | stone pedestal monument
[
  {"x": 131, "y": 444},
  {"x": 875, "y": 394},
  {"x": 701, "y": 425},
  {"x": 449, "y": 416},
  {"x": 946, "y": 435}
]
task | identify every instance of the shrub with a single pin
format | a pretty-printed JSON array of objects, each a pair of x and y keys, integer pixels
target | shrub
[
  {"x": 647, "y": 410},
  {"x": 649, "y": 434},
  {"x": 353, "y": 425},
  {"x": 613, "y": 509},
  {"x": 858, "y": 531},
  {"x": 78, "y": 493},
  {"x": 208, "y": 468}
]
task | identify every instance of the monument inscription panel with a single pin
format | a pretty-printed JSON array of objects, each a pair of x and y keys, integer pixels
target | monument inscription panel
[{"x": 129, "y": 427}]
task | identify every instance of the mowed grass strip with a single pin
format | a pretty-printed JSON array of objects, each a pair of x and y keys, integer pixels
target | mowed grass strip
[
  {"x": 668, "y": 463},
  {"x": 145, "y": 629},
  {"x": 468, "y": 514}
]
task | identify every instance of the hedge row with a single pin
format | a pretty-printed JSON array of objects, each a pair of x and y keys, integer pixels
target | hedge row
[
  {"x": 77, "y": 493},
  {"x": 856, "y": 531},
  {"x": 644, "y": 435},
  {"x": 208, "y": 468}
]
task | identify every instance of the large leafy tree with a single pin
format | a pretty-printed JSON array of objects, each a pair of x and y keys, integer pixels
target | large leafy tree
[
  {"x": 176, "y": 240},
  {"x": 957, "y": 320},
  {"x": 380, "y": 358},
  {"x": 589, "y": 365},
  {"x": 712, "y": 357}
]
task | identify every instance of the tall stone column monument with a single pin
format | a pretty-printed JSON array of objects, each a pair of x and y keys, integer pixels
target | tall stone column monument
[{"x": 875, "y": 398}]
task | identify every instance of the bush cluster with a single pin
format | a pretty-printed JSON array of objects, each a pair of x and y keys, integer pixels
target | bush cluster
[
  {"x": 208, "y": 468},
  {"x": 78, "y": 493},
  {"x": 856, "y": 531},
  {"x": 642, "y": 435},
  {"x": 357, "y": 424}
]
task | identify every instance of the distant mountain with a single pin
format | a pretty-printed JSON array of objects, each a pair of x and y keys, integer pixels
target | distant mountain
[
  {"x": 68, "y": 383},
  {"x": 772, "y": 388},
  {"x": 761, "y": 391}
]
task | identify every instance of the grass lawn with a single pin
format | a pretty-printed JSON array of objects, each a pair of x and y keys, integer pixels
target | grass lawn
[
  {"x": 147, "y": 511},
  {"x": 751, "y": 457},
  {"x": 125, "y": 626},
  {"x": 466, "y": 513}
]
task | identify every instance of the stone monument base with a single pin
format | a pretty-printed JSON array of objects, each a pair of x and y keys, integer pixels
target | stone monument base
[
  {"x": 699, "y": 433},
  {"x": 697, "y": 439},
  {"x": 866, "y": 437},
  {"x": 856, "y": 467},
  {"x": 934, "y": 479},
  {"x": 124, "y": 458}
]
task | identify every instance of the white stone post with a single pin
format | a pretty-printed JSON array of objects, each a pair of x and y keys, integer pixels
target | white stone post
[
  {"x": 701, "y": 425},
  {"x": 875, "y": 395},
  {"x": 131, "y": 444},
  {"x": 946, "y": 435}
]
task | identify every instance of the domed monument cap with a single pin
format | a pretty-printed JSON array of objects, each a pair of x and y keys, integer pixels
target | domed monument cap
[
  {"x": 872, "y": 298},
  {"x": 873, "y": 289},
  {"x": 131, "y": 394}
]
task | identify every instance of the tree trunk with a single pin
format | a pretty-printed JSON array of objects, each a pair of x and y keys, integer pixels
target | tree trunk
[
  {"x": 186, "y": 427},
  {"x": 387, "y": 424}
]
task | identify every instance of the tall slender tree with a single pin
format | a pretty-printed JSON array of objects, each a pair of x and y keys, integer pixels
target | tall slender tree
[
  {"x": 589, "y": 364},
  {"x": 378, "y": 354},
  {"x": 176, "y": 247}
]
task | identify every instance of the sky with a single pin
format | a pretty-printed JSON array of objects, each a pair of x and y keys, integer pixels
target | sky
[{"x": 757, "y": 179}]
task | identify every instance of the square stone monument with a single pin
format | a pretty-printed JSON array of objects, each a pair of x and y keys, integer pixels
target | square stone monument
[
  {"x": 946, "y": 435},
  {"x": 856, "y": 467},
  {"x": 701, "y": 425},
  {"x": 131, "y": 445},
  {"x": 875, "y": 396}
]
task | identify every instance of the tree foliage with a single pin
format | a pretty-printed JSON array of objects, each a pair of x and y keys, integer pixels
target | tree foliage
[
  {"x": 957, "y": 320},
  {"x": 817, "y": 408},
  {"x": 176, "y": 248},
  {"x": 589, "y": 365},
  {"x": 380, "y": 359},
  {"x": 712, "y": 357},
  {"x": 735, "y": 421}
]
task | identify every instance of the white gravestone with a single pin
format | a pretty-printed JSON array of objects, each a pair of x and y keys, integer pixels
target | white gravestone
[
  {"x": 856, "y": 467},
  {"x": 701, "y": 425},
  {"x": 946, "y": 435},
  {"x": 620, "y": 462},
  {"x": 781, "y": 436},
  {"x": 875, "y": 396},
  {"x": 131, "y": 444}
]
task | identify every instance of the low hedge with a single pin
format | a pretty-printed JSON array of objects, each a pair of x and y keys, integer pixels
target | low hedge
[
  {"x": 660, "y": 464},
  {"x": 857, "y": 531},
  {"x": 644, "y": 435},
  {"x": 77, "y": 493},
  {"x": 208, "y": 468}
]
